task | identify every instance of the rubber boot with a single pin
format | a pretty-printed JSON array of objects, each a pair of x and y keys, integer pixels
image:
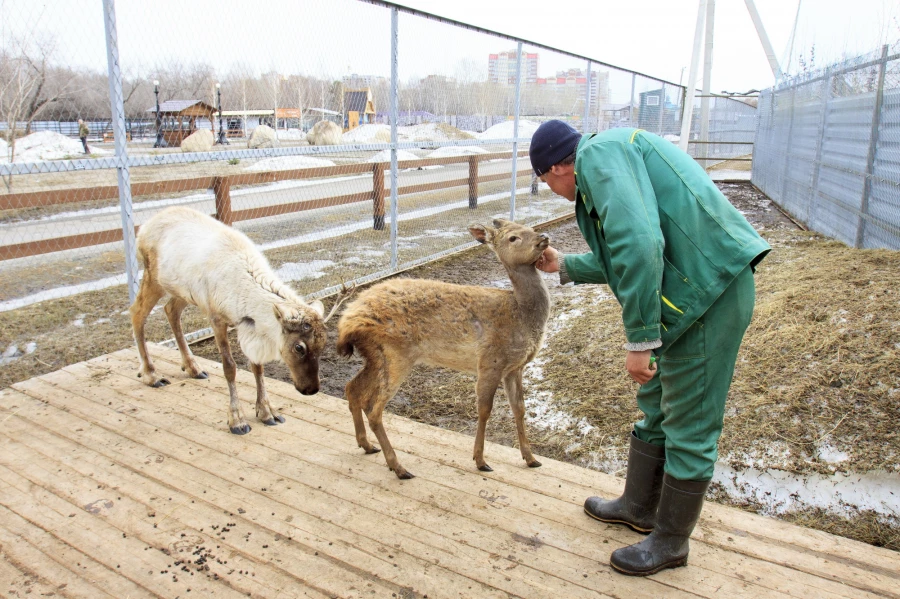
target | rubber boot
[
  {"x": 667, "y": 546},
  {"x": 636, "y": 508}
]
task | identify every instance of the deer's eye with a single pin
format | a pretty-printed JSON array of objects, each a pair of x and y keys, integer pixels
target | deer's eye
[
  {"x": 300, "y": 349},
  {"x": 513, "y": 238},
  {"x": 305, "y": 327}
]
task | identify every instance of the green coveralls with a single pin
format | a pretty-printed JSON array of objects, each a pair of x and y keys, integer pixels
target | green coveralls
[{"x": 679, "y": 258}]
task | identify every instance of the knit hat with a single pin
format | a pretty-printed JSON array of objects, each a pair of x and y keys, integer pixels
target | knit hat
[{"x": 551, "y": 143}]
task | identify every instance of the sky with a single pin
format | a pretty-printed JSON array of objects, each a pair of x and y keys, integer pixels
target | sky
[{"x": 331, "y": 38}]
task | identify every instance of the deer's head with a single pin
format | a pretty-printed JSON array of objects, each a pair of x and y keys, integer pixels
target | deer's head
[
  {"x": 514, "y": 244},
  {"x": 302, "y": 340}
]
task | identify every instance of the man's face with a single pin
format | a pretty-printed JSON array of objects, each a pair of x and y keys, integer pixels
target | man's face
[{"x": 561, "y": 180}]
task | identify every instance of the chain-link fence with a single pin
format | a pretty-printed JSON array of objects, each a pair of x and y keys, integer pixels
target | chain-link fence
[
  {"x": 826, "y": 149},
  {"x": 343, "y": 162}
]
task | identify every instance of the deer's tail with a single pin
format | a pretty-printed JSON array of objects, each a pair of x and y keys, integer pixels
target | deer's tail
[{"x": 345, "y": 343}]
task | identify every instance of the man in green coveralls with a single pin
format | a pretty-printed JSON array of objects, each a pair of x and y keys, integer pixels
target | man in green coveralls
[{"x": 679, "y": 258}]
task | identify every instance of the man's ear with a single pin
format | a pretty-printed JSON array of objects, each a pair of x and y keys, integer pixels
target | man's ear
[{"x": 481, "y": 233}]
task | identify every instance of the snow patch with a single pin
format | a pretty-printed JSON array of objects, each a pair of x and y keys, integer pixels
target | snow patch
[
  {"x": 49, "y": 145},
  {"x": 385, "y": 156},
  {"x": 780, "y": 491},
  {"x": 505, "y": 130},
  {"x": 368, "y": 134},
  {"x": 448, "y": 151},
  {"x": 282, "y": 163},
  {"x": 300, "y": 271}
]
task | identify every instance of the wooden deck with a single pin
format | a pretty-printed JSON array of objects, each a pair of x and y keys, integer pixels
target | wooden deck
[{"x": 111, "y": 489}]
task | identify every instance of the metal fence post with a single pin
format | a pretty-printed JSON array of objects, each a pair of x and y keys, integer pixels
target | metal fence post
[
  {"x": 631, "y": 102},
  {"x": 787, "y": 152},
  {"x": 515, "y": 148},
  {"x": 587, "y": 100},
  {"x": 820, "y": 143},
  {"x": 394, "y": 118},
  {"x": 662, "y": 108},
  {"x": 124, "y": 179},
  {"x": 873, "y": 147}
]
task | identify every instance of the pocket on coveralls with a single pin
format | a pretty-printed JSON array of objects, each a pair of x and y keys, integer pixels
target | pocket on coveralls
[{"x": 691, "y": 345}]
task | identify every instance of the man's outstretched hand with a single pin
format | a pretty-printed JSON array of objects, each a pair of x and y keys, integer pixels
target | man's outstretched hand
[{"x": 549, "y": 261}]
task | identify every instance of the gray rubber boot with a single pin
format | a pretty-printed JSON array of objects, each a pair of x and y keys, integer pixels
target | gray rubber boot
[
  {"x": 636, "y": 508},
  {"x": 667, "y": 546}
]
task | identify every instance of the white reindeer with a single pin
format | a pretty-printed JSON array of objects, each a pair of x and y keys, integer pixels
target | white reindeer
[{"x": 198, "y": 260}]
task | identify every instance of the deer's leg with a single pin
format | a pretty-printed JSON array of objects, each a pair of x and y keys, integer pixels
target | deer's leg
[
  {"x": 485, "y": 388},
  {"x": 174, "y": 308},
  {"x": 512, "y": 382},
  {"x": 358, "y": 391},
  {"x": 148, "y": 294},
  {"x": 236, "y": 422},
  {"x": 264, "y": 409},
  {"x": 394, "y": 370}
]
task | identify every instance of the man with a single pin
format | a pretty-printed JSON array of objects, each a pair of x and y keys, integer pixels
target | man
[
  {"x": 83, "y": 132},
  {"x": 679, "y": 258}
]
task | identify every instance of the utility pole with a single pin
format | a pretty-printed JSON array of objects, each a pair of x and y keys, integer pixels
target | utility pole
[
  {"x": 687, "y": 110},
  {"x": 764, "y": 39}
]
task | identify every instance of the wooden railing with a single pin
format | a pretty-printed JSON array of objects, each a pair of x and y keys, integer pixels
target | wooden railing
[{"x": 222, "y": 186}]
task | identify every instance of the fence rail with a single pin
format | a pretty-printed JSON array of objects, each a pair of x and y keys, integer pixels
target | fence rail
[{"x": 222, "y": 186}]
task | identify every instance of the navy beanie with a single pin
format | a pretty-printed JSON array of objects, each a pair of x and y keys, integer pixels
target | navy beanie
[{"x": 552, "y": 143}]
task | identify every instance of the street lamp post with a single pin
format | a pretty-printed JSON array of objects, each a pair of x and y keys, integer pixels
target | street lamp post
[
  {"x": 160, "y": 142},
  {"x": 221, "y": 139}
]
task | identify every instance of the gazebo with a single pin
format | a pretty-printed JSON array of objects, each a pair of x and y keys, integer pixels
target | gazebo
[
  {"x": 359, "y": 108},
  {"x": 179, "y": 118}
]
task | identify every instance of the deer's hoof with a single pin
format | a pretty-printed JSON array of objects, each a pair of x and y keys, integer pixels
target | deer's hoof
[
  {"x": 279, "y": 418},
  {"x": 372, "y": 449},
  {"x": 485, "y": 468},
  {"x": 202, "y": 375},
  {"x": 270, "y": 422},
  {"x": 160, "y": 383},
  {"x": 534, "y": 464},
  {"x": 241, "y": 429},
  {"x": 405, "y": 475}
]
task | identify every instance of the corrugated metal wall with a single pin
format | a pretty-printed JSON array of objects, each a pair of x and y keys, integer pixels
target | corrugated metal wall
[{"x": 828, "y": 150}]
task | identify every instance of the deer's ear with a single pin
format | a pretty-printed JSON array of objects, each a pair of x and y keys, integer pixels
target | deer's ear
[
  {"x": 283, "y": 313},
  {"x": 481, "y": 233},
  {"x": 499, "y": 222},
  {"x": 318, "y": 308}
]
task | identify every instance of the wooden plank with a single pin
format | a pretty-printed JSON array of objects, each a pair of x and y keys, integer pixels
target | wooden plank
[
  {"x": 870, "y": 568},
  {"x": 453, "y": 501},
  {"x": 261, "y": 570},
  {"x": 53, "y": 197},
  {"x": 58, "y": 244},
  {"x": 70, "y": 572},
  {"x": 533, "y": 578},
  {"x": 728, "y": 519},
  {"x": 255, "y": 476},
  {"x": 95, "y": 538}
]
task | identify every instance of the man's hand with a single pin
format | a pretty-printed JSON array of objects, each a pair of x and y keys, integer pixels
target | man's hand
[
  {"x": 637, "y": 363},
  {"x": 549, "y": 261}
]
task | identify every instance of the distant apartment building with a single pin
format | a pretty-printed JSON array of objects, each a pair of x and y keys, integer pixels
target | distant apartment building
[
  {"x": 355, "y": 81},
  {"x": 502, "y": 67},
  {"x": 575, "y": 80}
]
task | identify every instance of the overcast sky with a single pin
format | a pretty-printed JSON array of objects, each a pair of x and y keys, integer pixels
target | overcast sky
[{"x": 336, "y": 37}]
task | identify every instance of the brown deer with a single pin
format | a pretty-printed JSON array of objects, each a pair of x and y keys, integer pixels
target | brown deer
[{"x": 493, "y": 333}]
